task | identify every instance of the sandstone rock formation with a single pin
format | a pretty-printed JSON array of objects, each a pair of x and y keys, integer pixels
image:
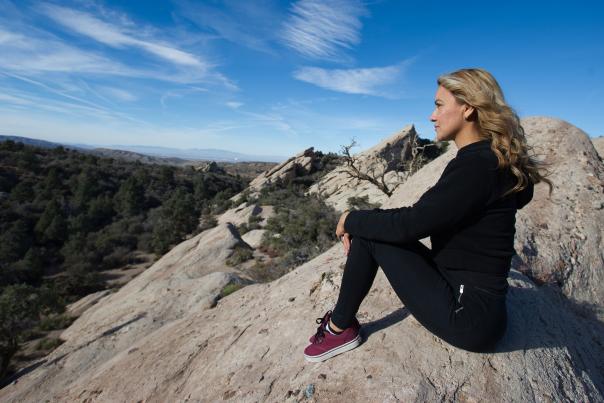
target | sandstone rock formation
[
  {"x": 240, "y": 214},
  {"x": 253, "y": 237},
  {"x": 210, "y": 167},
  {"x": 337, "y": 186},
  {"x": 158, "y": 339},
  {"x": 561, "y": 239},
  {"x": 300, "y": 164},
  {"x": 249, "y": 348},
  {"x": 187, "y": 279},
  {"x": 83, "y": 304}
]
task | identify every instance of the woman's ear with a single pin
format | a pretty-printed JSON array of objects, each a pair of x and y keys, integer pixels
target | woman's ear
[{"x": 469, "y": 111}]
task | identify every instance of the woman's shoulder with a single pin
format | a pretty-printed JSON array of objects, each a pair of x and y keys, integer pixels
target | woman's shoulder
[{"x": 477, "y": 158}]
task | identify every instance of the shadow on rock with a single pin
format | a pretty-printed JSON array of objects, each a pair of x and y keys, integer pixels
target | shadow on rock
[{"x": 392, "y": 318}]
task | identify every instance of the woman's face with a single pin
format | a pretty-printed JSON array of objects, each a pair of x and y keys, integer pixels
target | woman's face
[{"x": 448, "y": 115}]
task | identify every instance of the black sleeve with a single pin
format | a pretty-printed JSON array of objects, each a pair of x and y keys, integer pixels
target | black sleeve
[
  {"x": 464, "y": 187},
  {"x": 524, "y": 196}
]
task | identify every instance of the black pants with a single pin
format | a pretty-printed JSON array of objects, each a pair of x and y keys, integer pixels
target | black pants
[{"x": 472, "y": 320}]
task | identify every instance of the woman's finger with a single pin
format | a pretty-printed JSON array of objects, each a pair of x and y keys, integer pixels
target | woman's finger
[{"x": 346, "y": 241}]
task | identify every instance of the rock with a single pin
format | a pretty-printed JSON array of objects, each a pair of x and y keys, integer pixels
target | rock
[
  {"x": 561, "y": 239},
  {"x": 210, "y": 167},
  {"x": 81, "y": 305},
  {"x": 187, "y": 280},
  {"x": 301, "y": 164},
  {"x": 253, "y": 237},
  {"x": 239, "y": 215},
  {"x": 547, "y": 353}
]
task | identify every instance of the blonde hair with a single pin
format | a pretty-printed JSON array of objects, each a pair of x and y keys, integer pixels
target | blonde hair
[{"x": 498, "y": 122}]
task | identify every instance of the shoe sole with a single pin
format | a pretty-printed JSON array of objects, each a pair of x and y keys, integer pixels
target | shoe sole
[{"x": 333, "y": 352}]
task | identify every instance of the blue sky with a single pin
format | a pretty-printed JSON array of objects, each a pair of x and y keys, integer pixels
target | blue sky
[{"x": 275, "y": 77}]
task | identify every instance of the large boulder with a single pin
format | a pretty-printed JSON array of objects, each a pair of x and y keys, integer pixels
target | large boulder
[
  {"x": 561, "y": 239},
  {"x": 249, "y": 348},
  {"x": 240, "y": 214}
]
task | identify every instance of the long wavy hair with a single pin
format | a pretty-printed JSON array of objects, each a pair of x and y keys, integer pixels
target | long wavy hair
[{"x": 499, "y": 123}]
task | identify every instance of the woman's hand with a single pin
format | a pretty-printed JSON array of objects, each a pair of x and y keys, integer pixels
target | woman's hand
[
  {"x": 342, "y": 234},
  {"x": 340, "y": 231}
]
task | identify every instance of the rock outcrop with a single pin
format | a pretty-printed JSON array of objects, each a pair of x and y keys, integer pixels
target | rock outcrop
[
  {"x": 561, "y": 238},
  {"x": 188, "y": 279},
  {"x": 159, "y": 339},
  {"x": 301, "y": 164},
  {"x": 211, "y": 166},
  {"x": 249, "y": 348},
  {"x": 240, "y": 214},
  {"x": 337, "y": 186}
]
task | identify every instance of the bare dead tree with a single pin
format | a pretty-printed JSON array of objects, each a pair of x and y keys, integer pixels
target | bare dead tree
[
  {"x": 375, "y": 171},
  {"x": 417, "y": 159}
]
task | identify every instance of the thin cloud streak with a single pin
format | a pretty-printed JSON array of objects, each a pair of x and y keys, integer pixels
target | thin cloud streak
[
  {"x": 322, "y": 29},
  {"x": 364, "y": 81},
  {"x": 241, "y": 22},
  {"x": 118, "y": 93},
  {"x": 115, "y": 36},
  {"x": 35, "y": 56},
  {"x": 82, "y": 105}
]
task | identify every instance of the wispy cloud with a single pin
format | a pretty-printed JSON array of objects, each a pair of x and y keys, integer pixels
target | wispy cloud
[
  {"x": 234, "y": 104},
  {"x": 179, "y": 94},
  {"x": 22, "y": 53},
  {"x": 29, "y": 46},
  {"x": 117, "y": 93},
  {"x": 366, "y": 81},
  {"x": 247, "y": 23},
  {"x": 71, "y": 106},
  {"x": 274, "y": 120},
  {"x": 117, "y": 36},
  {"x": 323, "y": 29}
]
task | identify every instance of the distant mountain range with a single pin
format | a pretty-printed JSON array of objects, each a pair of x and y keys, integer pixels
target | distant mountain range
[{"x": 191, "y": 154}]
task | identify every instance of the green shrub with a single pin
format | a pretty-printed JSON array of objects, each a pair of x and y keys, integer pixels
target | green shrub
[
  {"x": 361, "y": 203},
  {"x": 48, "y": 344},
  {"x": 229, "y": 289},
  {"x": 55, "y": 322},
  {"x": 240, "y": 254},
  {"x": 207, "y": 222},
  {"x": 242, "y": 229}
]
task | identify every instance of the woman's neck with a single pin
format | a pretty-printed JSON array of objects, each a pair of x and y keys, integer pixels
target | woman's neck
[{"x": 468, "y": 135}]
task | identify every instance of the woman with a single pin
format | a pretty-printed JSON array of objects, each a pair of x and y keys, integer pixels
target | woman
[{"x": 457, "y": 289}]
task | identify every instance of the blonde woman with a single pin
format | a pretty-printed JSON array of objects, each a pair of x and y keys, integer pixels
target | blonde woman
[{"x": 457, "y": 289}]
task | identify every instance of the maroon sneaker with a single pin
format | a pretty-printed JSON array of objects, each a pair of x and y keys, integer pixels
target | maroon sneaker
[
  {"x": 325, "y": 319},
  {"x": 326, "y": 345}
]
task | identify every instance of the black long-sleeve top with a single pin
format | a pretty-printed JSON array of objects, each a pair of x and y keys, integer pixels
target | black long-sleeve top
[{"x": 470, "y": 227}]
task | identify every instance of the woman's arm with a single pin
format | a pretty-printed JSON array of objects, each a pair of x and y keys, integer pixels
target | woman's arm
[{"x": 463, "y": 189}]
